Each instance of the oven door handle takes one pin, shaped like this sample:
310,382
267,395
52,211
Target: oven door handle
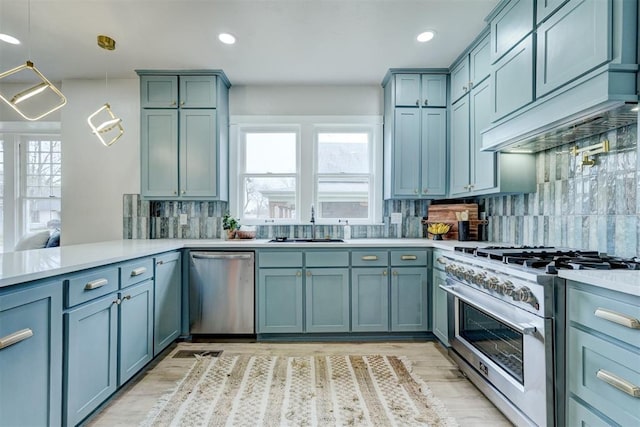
523,328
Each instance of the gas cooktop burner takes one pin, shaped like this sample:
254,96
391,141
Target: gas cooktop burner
551,259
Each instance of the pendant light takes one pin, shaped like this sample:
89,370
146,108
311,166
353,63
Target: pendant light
105,125
23,101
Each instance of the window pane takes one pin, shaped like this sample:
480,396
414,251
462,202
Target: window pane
343,197
43,168
266,198
270,153
42,214
343,152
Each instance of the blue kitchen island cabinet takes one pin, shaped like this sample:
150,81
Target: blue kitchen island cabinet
603,355
168,300
184,140
370,299
31,355
409,290
327,299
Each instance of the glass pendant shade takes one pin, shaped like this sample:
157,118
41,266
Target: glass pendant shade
30,104
105,125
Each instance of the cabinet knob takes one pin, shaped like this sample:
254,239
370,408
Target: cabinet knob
395,273
416,191
464,88
470,85
175,192
160,262
384,272
426,102
126,297
116,301
173,104
417,102
425,191
308,274
298,274
184,192
181,103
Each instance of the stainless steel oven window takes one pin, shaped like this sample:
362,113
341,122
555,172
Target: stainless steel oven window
496,340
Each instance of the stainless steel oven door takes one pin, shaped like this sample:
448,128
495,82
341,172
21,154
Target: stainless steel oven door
505,345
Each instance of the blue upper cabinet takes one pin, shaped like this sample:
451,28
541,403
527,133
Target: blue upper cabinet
420,90
460,79
159,92
512,80
479,62
471,69
544,8
415,135
184,141
511,24
572,42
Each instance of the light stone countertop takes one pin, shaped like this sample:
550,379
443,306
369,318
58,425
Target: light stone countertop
25,266
627,281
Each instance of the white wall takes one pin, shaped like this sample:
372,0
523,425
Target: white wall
304,100
95,177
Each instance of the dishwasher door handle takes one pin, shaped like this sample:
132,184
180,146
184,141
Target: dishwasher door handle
203,256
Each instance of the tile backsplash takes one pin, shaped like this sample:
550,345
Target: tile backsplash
593,207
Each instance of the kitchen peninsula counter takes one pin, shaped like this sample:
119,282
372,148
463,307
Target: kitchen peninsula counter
626,281
26,266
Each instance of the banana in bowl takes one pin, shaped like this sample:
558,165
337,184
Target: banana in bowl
438,229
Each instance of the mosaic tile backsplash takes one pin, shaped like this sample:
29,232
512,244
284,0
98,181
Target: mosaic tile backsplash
588,208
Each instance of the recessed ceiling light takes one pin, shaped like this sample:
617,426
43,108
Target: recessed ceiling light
426,36
226,38
9,39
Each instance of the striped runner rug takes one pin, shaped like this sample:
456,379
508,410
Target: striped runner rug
300,391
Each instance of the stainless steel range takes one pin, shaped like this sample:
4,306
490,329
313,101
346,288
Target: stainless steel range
507,321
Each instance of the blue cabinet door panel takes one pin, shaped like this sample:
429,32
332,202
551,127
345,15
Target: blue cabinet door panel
406,163
91,357
512,80
159,148
409,299
136,329
460,80
407,90
440,317
31,368
510,26
369,299
198,153
279,300
327,300
546,8
198,91
479,63
459,179
572,42
434,90
159,92
168,300
434,152
483,170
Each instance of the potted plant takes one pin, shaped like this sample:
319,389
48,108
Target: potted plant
230,225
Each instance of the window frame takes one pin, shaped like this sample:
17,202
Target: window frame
309,127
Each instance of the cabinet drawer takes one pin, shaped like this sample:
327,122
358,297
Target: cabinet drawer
369,258
578,415
399,258
90,284
598,369
327,259
135,272
601,313
280,259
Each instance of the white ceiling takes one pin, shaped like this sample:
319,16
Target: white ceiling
279,41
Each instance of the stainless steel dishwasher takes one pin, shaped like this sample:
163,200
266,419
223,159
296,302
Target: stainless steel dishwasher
221,293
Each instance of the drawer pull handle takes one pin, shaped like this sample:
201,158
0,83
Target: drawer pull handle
138,271
95,284
441,260
370,258
620,319
408,257
619,383
15,338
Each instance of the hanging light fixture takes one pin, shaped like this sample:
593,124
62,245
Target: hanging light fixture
44,85
105,125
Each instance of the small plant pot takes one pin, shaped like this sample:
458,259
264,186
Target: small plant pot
230,234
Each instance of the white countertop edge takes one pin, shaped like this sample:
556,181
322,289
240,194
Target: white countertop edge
26,266
626,281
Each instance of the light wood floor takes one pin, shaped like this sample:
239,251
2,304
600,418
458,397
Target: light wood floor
464,402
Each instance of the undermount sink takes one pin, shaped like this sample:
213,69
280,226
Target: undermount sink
295,240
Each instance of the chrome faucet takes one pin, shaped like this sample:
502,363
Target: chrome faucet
313,223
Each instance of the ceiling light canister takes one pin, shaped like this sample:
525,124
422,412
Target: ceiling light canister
226,38
106,42
426,36
9,39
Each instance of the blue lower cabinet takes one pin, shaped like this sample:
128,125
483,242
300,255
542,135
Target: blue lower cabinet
409,299
280,300
168,300
370,299
327,300
31,355
91,343
440,318
136,330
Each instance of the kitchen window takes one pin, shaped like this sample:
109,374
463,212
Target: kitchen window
30,184
286,164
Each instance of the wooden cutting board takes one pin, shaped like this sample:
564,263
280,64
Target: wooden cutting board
447,213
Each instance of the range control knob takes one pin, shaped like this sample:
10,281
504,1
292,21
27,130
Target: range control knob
525,295
492,283
506,288
479,278
468,274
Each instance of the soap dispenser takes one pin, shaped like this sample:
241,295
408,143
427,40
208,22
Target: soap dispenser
347,230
